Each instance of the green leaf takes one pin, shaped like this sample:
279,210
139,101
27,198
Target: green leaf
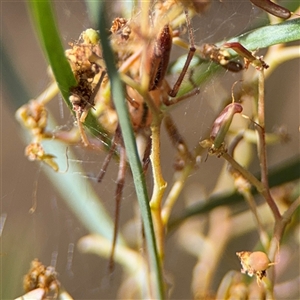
270,35
131,151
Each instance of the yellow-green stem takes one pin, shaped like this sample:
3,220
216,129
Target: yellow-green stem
174,193
49,93
158,189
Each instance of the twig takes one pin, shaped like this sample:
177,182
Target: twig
262,153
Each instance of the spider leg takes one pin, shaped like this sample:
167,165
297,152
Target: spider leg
191,53
118,196
83,135
177,139
147,152
97,88
90,104
194,92
107,159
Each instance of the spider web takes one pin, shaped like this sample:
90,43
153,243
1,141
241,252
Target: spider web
52,231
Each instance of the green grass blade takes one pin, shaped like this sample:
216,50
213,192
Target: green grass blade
131,151
45,25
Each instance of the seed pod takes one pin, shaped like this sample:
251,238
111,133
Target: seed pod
272,8
254,263
259,261
223,122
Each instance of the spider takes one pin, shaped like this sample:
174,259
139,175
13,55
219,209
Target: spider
126,35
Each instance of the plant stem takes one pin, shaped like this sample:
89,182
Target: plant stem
158,188
249,176
279,228
262,234
180,176
175,191
262,152
279,175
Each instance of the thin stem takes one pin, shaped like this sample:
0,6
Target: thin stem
251,202
255,182
249,176
175,191
245,190
158,189
262,152
279,228
280,175
181,176
286,218
118,198
261,99
145,94
278,54
49,93
83,135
